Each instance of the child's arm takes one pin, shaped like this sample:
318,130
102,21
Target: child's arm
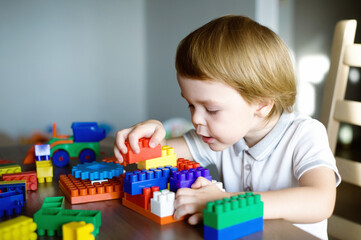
150,129
312,201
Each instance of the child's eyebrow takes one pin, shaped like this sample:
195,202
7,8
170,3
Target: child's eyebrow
210,102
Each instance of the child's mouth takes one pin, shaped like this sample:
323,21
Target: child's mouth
208,139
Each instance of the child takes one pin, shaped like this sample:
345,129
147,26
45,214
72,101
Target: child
238,79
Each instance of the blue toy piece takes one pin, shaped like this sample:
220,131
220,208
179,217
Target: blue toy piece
87,132
11,202
235,231
19,187
97,170
134,182
60,158
185,178
42,152
87,155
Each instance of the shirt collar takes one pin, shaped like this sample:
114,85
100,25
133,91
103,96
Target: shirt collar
265,147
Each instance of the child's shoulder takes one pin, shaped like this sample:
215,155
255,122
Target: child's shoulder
305,124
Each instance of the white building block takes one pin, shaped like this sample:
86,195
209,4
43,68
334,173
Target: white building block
219,185
162,203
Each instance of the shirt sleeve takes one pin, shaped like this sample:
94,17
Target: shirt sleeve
312,149
200,151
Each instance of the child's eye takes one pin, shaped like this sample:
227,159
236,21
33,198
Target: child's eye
212,111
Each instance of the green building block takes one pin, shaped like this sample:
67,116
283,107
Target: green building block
231,211
50,220
74,148
54,202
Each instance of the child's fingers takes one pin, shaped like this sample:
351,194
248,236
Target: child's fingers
117,154
195,219
158,136
200,182
120,138
184,196
185,209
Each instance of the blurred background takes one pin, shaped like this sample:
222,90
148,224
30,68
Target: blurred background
112,61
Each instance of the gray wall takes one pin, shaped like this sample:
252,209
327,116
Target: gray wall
87,60
65,61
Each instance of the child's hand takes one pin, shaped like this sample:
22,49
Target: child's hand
193,200
150,129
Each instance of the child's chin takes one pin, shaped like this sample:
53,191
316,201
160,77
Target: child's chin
217,147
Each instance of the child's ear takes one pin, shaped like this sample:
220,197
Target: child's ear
264,107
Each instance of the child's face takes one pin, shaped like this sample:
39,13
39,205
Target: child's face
219,113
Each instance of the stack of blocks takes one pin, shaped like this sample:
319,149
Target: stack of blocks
44,166
234,217
90,182
12,197
52,219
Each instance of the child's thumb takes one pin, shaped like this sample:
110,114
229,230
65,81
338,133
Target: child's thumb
200,182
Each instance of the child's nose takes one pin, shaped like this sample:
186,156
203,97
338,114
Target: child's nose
197,118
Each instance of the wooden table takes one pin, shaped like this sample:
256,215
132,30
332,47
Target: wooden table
119,222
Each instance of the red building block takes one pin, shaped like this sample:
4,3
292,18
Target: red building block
142,200
145,153
82,191
184,164
29,177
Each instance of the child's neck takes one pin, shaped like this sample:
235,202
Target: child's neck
262,128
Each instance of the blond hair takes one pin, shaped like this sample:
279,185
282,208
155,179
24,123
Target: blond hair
243,54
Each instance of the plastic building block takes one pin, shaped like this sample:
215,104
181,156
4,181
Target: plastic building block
42,152
53,202
21,227
143,200
168,158
231,211
11,202
134,182
44,171
30,156
162,203
98,181
145,153
18,186
184,164
185,178
50,220
78,231
234,232
30,177
9,168
97,170
149,214
219,185
87,132
82,191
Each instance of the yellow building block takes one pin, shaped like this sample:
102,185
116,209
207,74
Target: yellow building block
44,171
168,158
19,228
78,231
12,168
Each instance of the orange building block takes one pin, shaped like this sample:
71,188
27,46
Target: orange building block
145,153
29,177
142,200
184,164
149,214
82,191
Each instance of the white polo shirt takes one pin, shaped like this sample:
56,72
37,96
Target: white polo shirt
295,145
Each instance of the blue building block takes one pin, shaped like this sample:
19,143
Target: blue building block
18,186
134,182
97,170
42,152
11,202
87,132
185,178
235,231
